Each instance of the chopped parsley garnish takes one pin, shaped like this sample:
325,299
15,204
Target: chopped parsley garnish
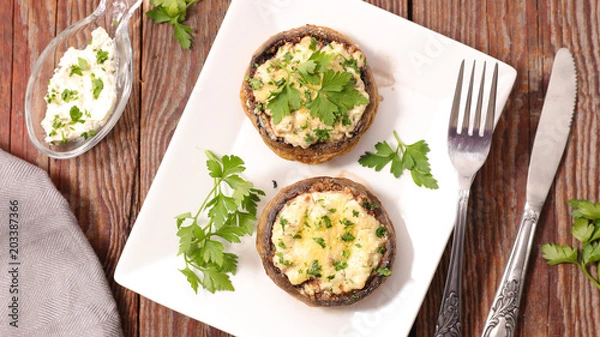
88,134
347,237
81,66
283,261
355,213
385,272
283,222
368,205
281,244
340,265
51,96
57,122
68,95
322,134
75,69
255,84
97,86
327,221
315,269
76,115
101,56
380,232
320,241
346,222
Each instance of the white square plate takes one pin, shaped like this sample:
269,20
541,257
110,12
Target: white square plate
415,70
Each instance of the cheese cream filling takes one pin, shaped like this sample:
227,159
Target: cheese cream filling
299,128
330,237
82,91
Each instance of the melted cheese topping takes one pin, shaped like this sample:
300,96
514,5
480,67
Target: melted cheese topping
330,237
298,128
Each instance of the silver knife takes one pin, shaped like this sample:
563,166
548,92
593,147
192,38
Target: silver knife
548,147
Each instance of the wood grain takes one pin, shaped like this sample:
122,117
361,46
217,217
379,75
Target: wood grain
107,186
527,41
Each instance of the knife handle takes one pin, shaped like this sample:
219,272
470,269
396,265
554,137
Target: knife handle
502,319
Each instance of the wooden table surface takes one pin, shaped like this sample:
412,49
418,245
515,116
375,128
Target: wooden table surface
107,185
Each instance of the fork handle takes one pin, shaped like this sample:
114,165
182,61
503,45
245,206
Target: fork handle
448,321
502,319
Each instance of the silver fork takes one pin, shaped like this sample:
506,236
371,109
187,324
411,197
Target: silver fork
468,151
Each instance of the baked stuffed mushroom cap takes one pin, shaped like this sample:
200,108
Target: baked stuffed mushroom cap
310,94
326,241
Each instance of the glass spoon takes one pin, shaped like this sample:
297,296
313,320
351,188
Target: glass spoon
113,16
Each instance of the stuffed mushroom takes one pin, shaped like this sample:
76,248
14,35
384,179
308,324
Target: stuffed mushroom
326,241
310,94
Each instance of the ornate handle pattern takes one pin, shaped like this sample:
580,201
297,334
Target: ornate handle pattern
448,322
502,320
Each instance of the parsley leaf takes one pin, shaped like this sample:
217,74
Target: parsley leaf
76,114
231,206
97,86
586,229
174,13
411,157
69,95
315,269
284,102
101,56
320,241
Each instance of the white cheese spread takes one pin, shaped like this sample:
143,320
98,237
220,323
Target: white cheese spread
82,91
300,127
329,237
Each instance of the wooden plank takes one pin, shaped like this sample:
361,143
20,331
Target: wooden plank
33,28
104,203
6,49
574,25
525,34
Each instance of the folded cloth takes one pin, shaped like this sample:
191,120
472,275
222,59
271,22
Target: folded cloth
51,281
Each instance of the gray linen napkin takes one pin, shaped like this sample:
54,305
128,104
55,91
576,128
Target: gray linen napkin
51,282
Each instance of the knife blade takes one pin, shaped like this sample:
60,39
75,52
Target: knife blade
548,147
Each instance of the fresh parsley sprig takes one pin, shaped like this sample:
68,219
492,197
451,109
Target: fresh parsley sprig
411,157
230,216
328,94
586,229
173,12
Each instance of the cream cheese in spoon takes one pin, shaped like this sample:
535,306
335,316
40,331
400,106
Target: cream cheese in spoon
82,91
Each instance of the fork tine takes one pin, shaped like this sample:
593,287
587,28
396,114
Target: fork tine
477,123
467,116
491,110
457,92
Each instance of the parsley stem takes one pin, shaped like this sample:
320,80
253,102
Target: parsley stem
213,191
189,262
292,74
587,274
401,146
